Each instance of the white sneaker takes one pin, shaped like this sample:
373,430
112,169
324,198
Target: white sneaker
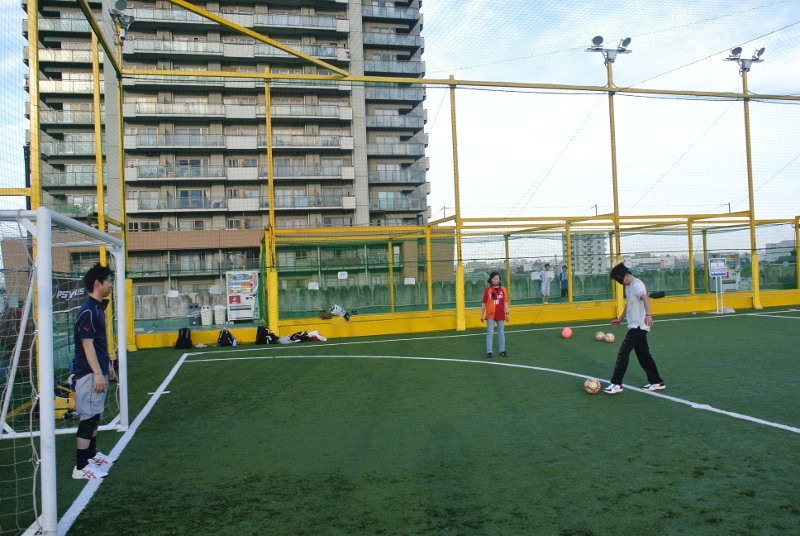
90,472
654,386
612,389
100,459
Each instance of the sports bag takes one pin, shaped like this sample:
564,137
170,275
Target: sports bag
184,339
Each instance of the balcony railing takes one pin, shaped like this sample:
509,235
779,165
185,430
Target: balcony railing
175,172
295,21
390,13
69,178
307,201
176,140
59,25
395,67
395,121
68,117
63,148
410,176
396,149
201,109
304,111
398,204
201,48
398,40
173,203
395,94
301,140
308,172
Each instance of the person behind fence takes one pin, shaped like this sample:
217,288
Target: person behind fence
564,280
640,320
546,277
494,309
93,370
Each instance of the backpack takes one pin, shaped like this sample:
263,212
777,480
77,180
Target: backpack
265,336
184,339
225,338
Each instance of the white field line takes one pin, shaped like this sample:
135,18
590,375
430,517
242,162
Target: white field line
66,522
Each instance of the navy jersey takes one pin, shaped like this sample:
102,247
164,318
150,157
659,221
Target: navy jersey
91,324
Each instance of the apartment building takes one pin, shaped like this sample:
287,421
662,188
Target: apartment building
195,148
589,253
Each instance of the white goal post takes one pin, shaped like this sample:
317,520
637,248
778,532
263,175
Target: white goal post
41,233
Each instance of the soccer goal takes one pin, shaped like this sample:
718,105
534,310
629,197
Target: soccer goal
44,257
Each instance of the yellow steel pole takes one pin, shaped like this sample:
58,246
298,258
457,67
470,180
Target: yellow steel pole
705,260
690,232
751,198
33,89
461,320
613,133
569,262
272,267
797,250
429,267
508,263
391,277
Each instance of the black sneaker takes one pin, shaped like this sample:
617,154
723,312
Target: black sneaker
503,354
489,355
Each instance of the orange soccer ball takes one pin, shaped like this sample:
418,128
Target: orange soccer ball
592,386
610,337
600,336
566,333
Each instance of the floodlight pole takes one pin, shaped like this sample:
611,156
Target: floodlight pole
744,67
609,55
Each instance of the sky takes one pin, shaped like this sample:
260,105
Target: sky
548,154
528,154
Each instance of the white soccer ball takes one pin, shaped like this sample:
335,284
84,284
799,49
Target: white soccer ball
592,386
610,337
599,335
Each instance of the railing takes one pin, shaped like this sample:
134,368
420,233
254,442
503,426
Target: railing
59,25
295,21
179,172
54,148
180,140
397,149
181,108
301,140
410,176
173,203
320,51
402,204
69,178
307,201
395,67
395,121
175,47
64,117
391,93
390,12
302,171
304,111
400,40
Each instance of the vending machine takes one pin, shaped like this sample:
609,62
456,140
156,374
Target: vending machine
242,289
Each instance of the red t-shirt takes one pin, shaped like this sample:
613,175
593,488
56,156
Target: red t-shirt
495,300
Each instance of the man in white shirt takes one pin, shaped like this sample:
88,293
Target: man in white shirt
640,320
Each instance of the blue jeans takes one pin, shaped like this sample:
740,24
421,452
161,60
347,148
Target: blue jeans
501,334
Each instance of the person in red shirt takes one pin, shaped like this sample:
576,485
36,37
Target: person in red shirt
494,310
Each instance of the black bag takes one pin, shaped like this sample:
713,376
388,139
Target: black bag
265,336
225,338
184,339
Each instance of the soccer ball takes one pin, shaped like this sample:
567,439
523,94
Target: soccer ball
566,333
592,386
610,337
599,335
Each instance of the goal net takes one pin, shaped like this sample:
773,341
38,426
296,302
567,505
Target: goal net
43,257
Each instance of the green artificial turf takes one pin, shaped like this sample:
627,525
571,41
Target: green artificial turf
344,437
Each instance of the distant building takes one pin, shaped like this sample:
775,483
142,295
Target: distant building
588,253
778,250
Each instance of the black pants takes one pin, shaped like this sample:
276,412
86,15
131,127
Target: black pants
563,293
635,340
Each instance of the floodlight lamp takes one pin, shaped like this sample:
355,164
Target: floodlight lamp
623,44
120,5
757,54
597,41
735,52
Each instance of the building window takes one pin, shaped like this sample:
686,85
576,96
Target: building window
144,226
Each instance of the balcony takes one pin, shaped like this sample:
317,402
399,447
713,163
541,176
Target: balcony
395,121
68,179
68,148
310,172
169,82
395,94
65,117
311,202
145,16
395,13
395,67
176,141
74,210
399,204
409,41
187,109
325,52
59,25
300,22
405,176
300,141
343,113
57,55
197,49
80,87
178,173
396,149
211,204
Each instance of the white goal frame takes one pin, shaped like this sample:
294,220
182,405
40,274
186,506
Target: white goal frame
40,224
